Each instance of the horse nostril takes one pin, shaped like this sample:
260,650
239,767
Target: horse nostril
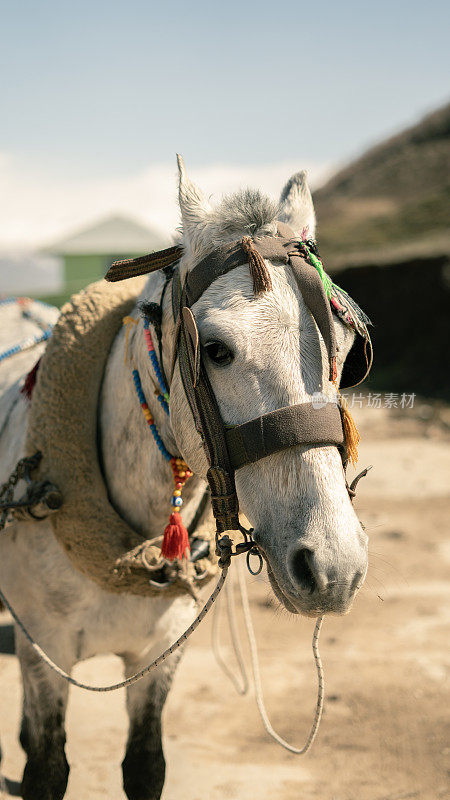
301,569
356,582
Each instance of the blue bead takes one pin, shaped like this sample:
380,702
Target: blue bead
177,501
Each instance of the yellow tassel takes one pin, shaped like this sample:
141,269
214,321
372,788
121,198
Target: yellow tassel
128,322
351,433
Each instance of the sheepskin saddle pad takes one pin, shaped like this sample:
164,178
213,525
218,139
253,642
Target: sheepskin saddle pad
62,424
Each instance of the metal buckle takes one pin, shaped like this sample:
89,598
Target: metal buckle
249,546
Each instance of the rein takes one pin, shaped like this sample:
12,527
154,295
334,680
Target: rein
224,563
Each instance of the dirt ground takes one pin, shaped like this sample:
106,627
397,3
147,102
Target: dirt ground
383,735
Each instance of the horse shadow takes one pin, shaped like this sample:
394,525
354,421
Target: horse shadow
12,788
7,646
8,788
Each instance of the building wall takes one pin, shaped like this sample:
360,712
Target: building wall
81,270
408,304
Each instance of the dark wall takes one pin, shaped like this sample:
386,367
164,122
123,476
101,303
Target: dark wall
409,305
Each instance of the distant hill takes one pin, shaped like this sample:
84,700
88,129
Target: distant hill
394,199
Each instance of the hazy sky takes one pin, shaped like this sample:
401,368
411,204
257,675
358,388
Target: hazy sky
96,97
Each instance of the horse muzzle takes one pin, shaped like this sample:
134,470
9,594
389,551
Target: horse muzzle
319,580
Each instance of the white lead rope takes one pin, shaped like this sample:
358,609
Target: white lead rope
257,677
255,663
240,682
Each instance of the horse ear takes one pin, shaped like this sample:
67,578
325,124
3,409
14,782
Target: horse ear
194,208
297,208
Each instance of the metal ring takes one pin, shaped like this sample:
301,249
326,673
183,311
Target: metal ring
200,575
159,585
254,552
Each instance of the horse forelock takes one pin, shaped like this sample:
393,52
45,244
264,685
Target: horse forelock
247,212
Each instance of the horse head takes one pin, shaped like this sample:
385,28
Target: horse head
263,352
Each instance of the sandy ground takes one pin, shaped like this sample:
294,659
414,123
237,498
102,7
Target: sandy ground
383,734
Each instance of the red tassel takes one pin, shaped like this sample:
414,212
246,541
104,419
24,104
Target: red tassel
30,381
176,539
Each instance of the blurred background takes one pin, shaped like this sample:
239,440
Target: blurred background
96,99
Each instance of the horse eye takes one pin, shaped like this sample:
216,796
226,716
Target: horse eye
219,353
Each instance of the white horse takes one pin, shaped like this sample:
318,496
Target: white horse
262,353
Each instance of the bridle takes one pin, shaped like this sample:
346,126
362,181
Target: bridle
227,447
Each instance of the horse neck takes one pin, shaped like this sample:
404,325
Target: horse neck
138,478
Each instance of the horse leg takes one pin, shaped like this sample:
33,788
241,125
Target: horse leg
144,766
42,734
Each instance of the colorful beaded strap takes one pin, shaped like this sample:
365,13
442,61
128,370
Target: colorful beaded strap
31,341
176,538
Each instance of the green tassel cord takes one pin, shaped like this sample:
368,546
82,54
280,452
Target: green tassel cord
317,264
